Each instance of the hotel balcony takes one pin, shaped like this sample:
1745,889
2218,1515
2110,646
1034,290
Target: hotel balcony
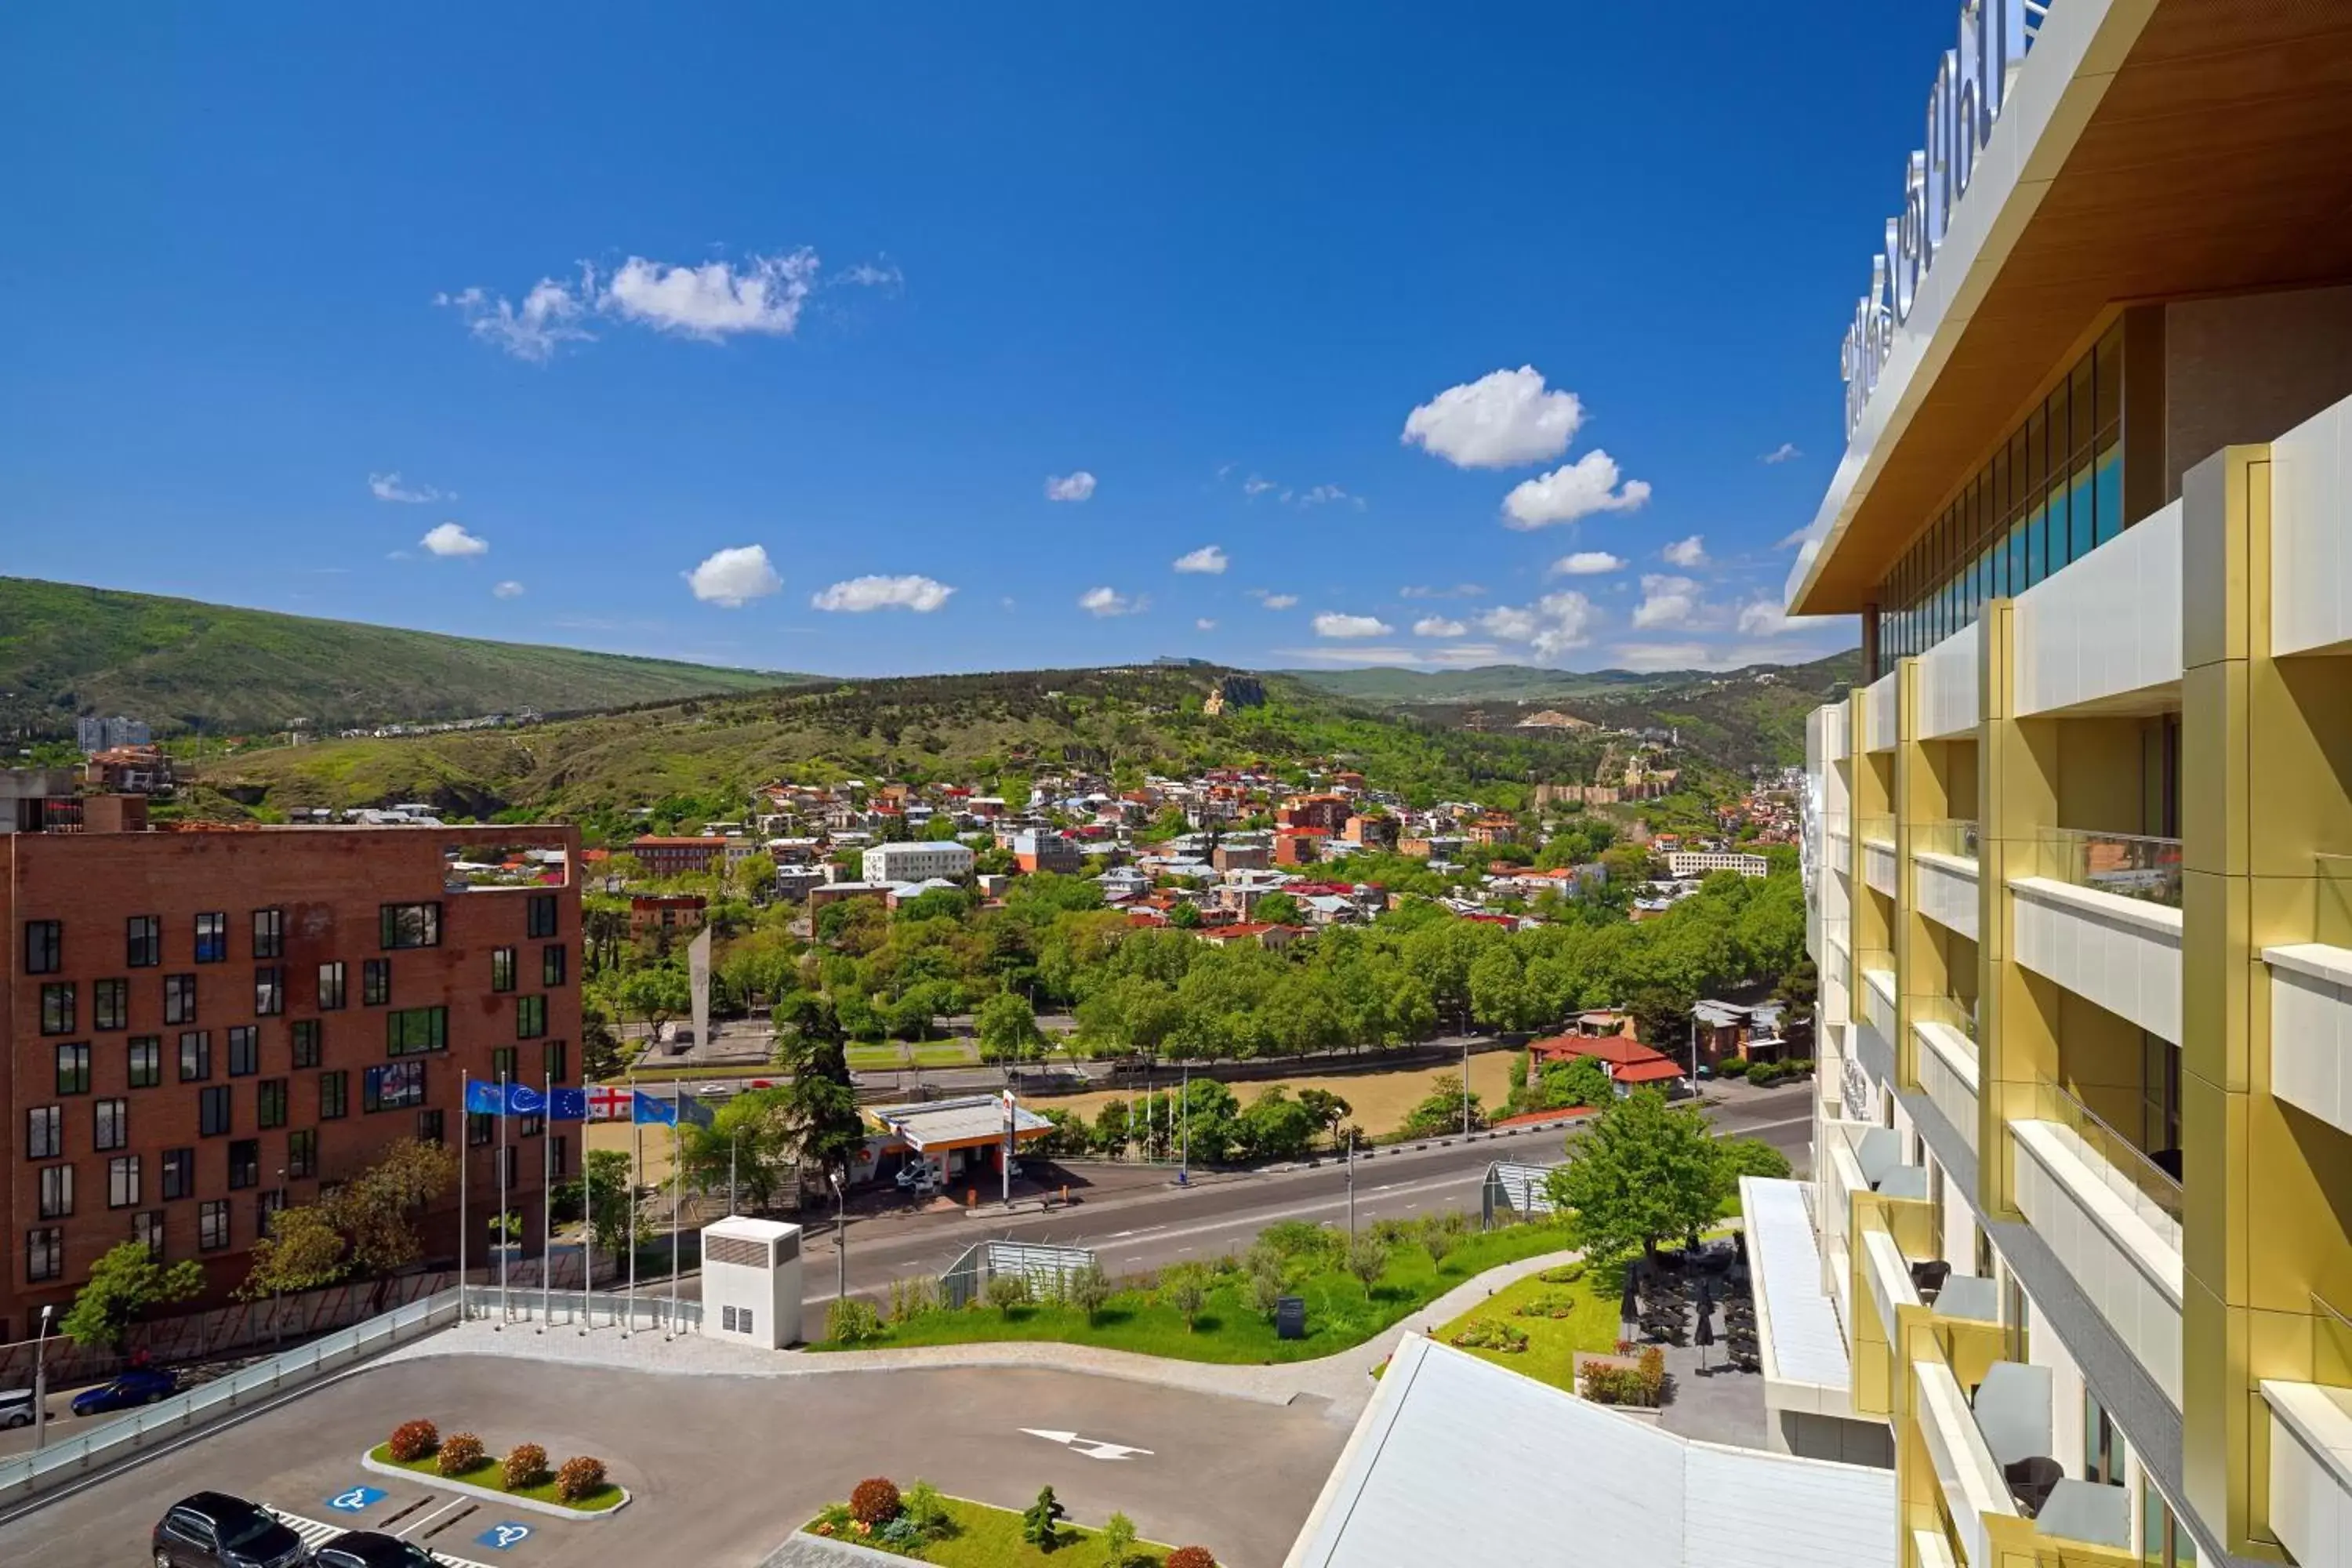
1878,866
1987,1428
1874,1036
2310,549
2111,1215
2103,635
1947,687
1879,732
2311,1451
1947,1060
2102,918
2310,1004
1944,874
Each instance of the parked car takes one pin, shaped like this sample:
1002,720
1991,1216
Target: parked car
16,1407
140,1386
213,1529
371,1549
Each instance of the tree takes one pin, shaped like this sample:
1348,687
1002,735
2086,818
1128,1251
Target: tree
656,994
1367,1259
820,1105
1747,1157
599,1050
1041,1523
1008,1031
1581,1080
1661,1017
1277,909
1185,1291
1643,1170
124,1282
1089,1289
1276,1127
1117,1541
375,1210
1329,1112
1006,1291
602,1195
1442,1113
751,1139
1185,916
302,1251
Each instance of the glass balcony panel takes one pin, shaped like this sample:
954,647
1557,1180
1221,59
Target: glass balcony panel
2129,865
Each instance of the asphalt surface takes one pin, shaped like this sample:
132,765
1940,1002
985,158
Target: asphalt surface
723,1469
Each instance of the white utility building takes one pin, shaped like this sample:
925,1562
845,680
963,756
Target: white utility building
751,1280
917,861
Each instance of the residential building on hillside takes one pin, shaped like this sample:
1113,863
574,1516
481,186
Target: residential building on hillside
207,1025
1041,850
1329,813
678,856
95,734
681,912
1699,862
2077,1253
915,862
129,770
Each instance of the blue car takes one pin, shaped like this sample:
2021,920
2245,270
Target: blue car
140,1386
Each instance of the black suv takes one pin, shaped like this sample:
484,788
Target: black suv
212,1530
371,1549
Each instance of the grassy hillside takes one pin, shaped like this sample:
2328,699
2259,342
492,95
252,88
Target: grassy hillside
1488,683
176,663
953,727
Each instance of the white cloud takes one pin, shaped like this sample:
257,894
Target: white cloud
1586,564
733,577
1324,495
509,589
1106,602
1275,601
716,300
1765,619
1781,453
387,486
1209,558
1656,655
1204,625
1498,421
1254,486
1551,626
1587,485
1069,486
1794,537
872,274
548,315
449,538
1666,602
1455,655
1459,591
1437,626
1330,624
859,595
1686,552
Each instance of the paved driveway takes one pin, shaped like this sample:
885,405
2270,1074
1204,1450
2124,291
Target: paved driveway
723,1468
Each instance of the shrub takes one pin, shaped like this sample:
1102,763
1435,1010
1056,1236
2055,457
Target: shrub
1566,1274
1764,1075
526,1466
850,1321
1491,1334
833,1520
921,1506
912,1297
875,1501
1394,1232
1732,1067
412,1440
1006,1291
1548,1304
461,1452
1438,1238
1190,1557
1186,1288
1300,1238
1089,1289
580,1478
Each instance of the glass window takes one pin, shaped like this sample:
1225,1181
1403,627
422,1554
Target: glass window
539,917
2107,489
270,1100
552,965
44,1132
110,1125
73,1068
179,1173
397,1085
331,985
244,1051
45,947
502,1065
478,1131
57,1007
269,991
56,1191
302,1153
143,942
306,1038
502,969
196,1056
147,1230
244,1163
45,1252
409,925
553,1060
375,982
212,937
145,1055
179,998
122,1183
428,1126
530,1017
211,1224
212,1112
335,1095
268,933
110,1005
413,1031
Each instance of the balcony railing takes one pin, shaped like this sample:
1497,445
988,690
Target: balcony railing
2131,1174
2129,865
1875,829
1954,838
1947,1010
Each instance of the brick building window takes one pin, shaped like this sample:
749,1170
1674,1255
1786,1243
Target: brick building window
179,998
211,1224
270,1096
478,1131
302,1153
179,1173
269,991
212,937
530,1017
502,1064
413,1031
147,1230
143,942
552,965
73,1068
306,1037
540,916
44,946
146,1058
110,1005
212,1112
243,1164
57,1007
335,1095
553,1059
196,1056
429,1127
110,1125
559,1157
123,1181
244,1051
502,969
409,925
331,985
44,1132
375,982
56,1191
45,1252
398,1086
531,1126
268,933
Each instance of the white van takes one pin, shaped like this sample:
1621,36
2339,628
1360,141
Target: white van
16,1407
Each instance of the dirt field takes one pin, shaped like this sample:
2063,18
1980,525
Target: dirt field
1379,1100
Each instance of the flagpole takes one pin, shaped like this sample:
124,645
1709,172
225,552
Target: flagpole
588,1216
465,1093
636,1152
506,1244
547,1203
677,1106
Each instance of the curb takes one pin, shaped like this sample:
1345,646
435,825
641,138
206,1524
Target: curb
556,1509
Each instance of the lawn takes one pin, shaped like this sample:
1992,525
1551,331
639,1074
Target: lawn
1553,1343
985,1537
488,1474
1340,1313
888,1058
1379,1102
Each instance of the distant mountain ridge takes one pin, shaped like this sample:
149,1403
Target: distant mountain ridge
179,663
1532,683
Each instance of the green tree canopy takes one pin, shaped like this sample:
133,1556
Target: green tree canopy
1641,1172
124,1282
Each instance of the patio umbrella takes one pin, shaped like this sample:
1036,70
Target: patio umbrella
1704,1336
1627,1309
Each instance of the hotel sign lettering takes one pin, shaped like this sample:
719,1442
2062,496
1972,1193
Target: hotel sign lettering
1972,86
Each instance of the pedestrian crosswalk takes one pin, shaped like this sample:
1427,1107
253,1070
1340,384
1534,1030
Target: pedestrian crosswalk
316,1534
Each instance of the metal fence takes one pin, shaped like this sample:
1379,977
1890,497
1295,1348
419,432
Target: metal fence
652,1311
1514,1193
1048,1269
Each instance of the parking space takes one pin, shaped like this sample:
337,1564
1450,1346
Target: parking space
720,1468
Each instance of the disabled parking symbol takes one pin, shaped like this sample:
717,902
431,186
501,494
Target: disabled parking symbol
500,1537
359,1500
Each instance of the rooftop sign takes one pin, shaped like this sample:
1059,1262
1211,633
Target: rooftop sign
1972,86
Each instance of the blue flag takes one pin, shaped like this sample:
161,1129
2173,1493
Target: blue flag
483,1099
524,1100
648,1108
693,1109
567,1105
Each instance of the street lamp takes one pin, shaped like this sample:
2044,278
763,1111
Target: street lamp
1465,1085
41,1382
1185,1151
276,1285
840,1234
1350,1158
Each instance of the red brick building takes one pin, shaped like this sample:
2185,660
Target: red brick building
202,1025
683,912
1298,845
675,856
1328,812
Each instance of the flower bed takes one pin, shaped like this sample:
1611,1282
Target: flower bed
926,1526
579,1485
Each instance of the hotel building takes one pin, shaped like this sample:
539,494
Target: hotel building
2076,1256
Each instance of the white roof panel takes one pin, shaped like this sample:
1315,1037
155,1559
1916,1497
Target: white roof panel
1806,1343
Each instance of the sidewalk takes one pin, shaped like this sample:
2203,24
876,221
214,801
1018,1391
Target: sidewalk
1343,1380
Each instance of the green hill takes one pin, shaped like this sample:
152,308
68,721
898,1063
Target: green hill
177,663
1521,683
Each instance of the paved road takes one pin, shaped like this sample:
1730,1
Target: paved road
721,1469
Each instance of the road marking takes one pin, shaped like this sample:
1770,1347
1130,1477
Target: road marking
503,1537
358,1499
1092,1447
316,1534
416,1524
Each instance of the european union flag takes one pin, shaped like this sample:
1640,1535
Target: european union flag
567,1105
648,1108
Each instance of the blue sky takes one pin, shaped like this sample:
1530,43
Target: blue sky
763,335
